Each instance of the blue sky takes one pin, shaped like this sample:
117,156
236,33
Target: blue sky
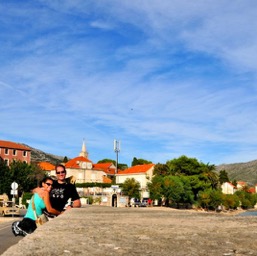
166,78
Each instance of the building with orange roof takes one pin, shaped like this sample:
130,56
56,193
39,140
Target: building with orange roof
241,184
228,188
12,151
108,168
107,180
46,166
141,173
82,169
251,190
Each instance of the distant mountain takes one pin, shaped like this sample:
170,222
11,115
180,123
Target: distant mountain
40,156
241,171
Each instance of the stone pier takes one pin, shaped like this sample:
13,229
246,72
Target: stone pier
101,230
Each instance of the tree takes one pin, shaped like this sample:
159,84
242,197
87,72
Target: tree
247,199
234,182
197,185
223,177
65,159
37,174
204,199
131,188
139,161
5,181
184,166
210,199
106,160
155,187
161,169
188,196
230,201
120,165
172,189
209,175
26,175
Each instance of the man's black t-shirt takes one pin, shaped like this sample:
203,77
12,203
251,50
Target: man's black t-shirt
61,193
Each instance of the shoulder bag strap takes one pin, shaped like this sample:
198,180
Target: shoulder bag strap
33,207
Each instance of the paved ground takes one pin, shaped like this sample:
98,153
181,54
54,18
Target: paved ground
98,230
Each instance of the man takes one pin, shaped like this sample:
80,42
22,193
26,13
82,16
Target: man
62,191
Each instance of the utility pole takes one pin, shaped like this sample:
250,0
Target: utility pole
116,146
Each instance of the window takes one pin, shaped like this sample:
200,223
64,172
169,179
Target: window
14,152
24,153
6,151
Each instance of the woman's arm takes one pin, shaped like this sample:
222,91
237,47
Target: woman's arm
49,207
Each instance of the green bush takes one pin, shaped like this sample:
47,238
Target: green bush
210,199
247,199
97,200
231,201
26,196
90,200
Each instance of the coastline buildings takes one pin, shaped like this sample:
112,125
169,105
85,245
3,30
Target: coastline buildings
141,173
12,151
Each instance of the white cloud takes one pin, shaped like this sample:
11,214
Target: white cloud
165,79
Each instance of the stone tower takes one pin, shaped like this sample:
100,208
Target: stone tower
84,150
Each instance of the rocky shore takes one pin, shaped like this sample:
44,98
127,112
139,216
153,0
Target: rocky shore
98,230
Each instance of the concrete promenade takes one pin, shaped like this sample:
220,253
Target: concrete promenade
101,230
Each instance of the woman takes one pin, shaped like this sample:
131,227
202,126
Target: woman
41,201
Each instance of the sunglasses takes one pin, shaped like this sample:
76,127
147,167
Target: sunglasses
49,184
62,172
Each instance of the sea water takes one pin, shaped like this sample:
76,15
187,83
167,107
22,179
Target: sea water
248,213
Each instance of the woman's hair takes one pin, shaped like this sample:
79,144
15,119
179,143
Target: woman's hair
45,180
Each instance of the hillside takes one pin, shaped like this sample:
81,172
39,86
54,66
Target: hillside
40,156
241,171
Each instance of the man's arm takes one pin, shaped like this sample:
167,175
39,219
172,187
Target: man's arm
75,198
76,203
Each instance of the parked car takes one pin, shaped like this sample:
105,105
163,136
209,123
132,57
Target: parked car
135,202
144,202
8,208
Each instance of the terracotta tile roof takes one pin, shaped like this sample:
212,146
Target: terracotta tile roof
106,167
137,169
46,166
106,180
242,183
102,165
73,163
110,171
13,145
229,183
252,190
